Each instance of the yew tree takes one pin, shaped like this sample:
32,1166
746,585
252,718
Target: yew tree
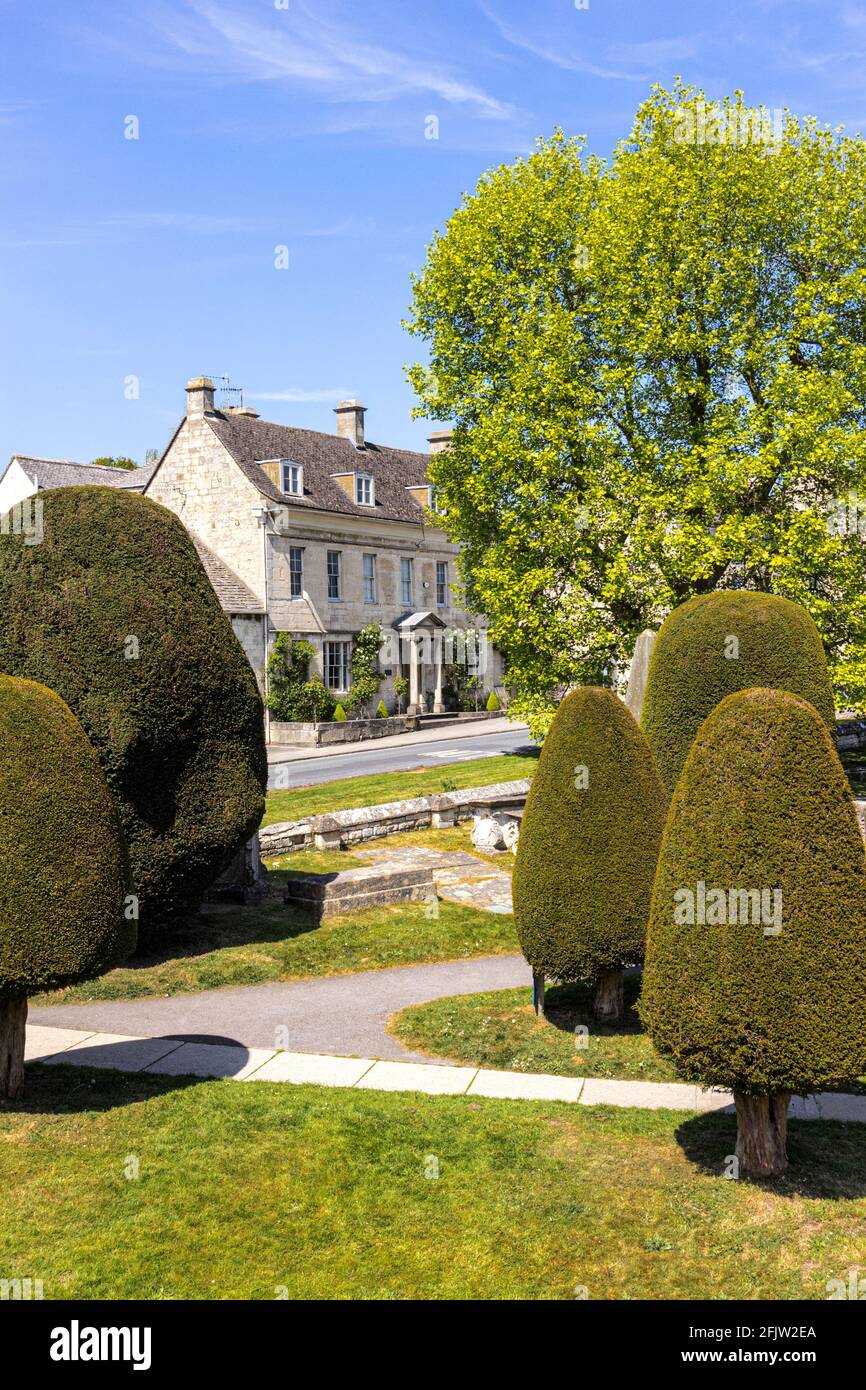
655,368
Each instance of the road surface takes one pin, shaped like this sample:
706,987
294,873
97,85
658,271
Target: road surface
370,760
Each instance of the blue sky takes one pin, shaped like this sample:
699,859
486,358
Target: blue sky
303,123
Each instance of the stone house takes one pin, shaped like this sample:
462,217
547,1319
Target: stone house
25,477
319,535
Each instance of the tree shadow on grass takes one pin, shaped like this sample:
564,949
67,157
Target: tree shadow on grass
826,1159
567,1007
219,925
109,1074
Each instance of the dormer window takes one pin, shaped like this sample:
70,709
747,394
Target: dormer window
364,489
292,479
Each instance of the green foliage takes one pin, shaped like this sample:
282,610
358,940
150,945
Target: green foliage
366,675
762,803
114,611
63,864
460,688
120,462
493,701
655,368
381,711
291,695
339,714
717,644
588,841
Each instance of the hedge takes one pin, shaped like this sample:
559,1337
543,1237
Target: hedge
588,841
762,804
717,644
115,612
64,872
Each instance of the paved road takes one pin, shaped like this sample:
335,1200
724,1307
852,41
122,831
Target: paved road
301,771
342,1015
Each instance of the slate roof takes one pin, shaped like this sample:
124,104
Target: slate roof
47,473
232,592
250,441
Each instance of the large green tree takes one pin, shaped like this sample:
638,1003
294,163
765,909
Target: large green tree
656,368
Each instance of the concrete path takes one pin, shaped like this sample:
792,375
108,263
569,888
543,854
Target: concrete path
428,748
342,1014
172,1057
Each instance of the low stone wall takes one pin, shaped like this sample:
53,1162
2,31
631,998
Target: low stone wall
337,829
373,885
340,731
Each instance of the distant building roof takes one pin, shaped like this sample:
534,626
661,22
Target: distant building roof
234,596
250,441
49,473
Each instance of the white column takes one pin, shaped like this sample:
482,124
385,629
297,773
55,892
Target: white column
414,693
438,706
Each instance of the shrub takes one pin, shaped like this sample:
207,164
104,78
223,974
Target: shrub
114,611
717,644
762,804
339,714
493,702
381,712
401,689
63,864
291,695
587,848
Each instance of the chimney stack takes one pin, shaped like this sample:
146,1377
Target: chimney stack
350,422
439,441
199,396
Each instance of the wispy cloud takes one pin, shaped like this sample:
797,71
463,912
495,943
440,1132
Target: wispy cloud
301,395
571,50
325,54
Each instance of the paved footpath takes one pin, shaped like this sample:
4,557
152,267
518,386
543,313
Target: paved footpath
341,1014
173,1057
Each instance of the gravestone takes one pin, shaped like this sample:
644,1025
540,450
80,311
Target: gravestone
639,671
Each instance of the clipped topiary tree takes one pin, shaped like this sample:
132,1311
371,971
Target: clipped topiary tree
63,863
717,644
381,711
587,849
115,612
339,713
754,974
493,701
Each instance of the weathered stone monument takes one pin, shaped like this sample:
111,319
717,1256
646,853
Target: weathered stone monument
639,671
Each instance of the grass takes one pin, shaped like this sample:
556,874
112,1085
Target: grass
296,803
500,1030
256,1190
227,944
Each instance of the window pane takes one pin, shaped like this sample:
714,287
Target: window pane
296,571
337,665
369,579
406,581
333,574
441,583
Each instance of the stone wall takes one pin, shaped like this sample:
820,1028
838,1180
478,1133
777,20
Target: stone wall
340,731
338,829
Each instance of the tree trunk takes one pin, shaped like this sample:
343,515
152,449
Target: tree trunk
538,991
13,1017
762,1128
607,1006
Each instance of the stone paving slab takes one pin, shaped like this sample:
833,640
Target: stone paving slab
645,1095
415,1076
460,877
175,1057
44,1042
306,1068
513,1085
115,1051
210,1059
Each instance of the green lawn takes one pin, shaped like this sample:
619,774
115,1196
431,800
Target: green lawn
246,1190
298,802
500,1030
227,944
